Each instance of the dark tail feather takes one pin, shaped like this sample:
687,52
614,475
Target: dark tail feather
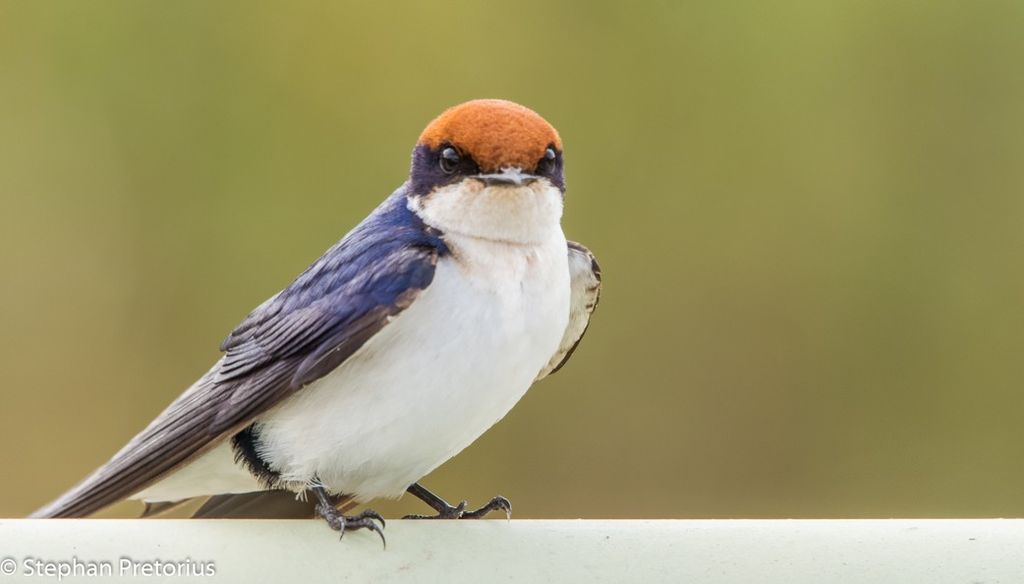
275,504
161,507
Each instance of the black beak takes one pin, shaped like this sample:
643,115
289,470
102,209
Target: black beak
494,180
508,177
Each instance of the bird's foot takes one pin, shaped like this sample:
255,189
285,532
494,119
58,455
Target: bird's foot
495,504
446,511
343,523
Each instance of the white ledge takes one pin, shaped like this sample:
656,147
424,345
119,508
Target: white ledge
715,551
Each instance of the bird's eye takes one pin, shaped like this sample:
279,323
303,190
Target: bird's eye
547,163
450,160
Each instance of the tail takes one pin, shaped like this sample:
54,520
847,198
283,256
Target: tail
65,505
273,504
81,500
180,431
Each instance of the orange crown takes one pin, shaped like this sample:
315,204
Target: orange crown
495,132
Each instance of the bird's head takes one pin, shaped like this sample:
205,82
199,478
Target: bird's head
489,168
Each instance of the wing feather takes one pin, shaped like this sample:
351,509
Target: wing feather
585,291
297,336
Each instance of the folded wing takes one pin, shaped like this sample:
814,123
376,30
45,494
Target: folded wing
299,335
585,291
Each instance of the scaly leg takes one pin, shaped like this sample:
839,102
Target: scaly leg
446,511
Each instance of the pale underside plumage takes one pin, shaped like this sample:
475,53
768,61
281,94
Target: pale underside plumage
435,341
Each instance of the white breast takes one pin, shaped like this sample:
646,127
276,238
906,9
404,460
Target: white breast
436,377
433,380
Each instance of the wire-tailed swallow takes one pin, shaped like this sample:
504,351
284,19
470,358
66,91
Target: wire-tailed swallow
395,350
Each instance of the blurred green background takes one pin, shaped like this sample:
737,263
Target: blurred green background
809,216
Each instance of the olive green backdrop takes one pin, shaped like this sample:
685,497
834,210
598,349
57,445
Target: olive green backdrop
809,214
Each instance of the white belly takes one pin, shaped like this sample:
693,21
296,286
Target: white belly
425,387
436,377
432,381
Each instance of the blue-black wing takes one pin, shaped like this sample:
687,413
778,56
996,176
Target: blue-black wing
296,337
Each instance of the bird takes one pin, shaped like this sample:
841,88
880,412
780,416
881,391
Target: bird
391,353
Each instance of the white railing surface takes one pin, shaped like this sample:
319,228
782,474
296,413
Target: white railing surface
928,551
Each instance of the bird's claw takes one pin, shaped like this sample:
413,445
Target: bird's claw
341,523
494,504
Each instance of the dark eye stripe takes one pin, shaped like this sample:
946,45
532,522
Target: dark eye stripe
436,168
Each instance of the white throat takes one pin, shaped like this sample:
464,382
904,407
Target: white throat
526,215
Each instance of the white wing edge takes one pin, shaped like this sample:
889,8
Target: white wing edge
585,290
